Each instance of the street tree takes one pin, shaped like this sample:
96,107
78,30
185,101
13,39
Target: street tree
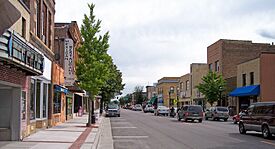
113,86
138,94
92,67
212,87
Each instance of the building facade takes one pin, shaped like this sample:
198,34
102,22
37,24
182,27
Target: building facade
67,40
151,91
184,89
166,90
197,72
22,62
223,57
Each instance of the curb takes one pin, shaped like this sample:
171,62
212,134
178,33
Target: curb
98,135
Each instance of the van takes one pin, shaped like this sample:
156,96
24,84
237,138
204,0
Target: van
259,117
190,112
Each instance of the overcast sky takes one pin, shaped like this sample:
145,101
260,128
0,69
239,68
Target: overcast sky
151,39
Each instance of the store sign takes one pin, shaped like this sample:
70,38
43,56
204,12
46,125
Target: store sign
69,62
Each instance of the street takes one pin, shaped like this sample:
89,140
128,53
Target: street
138,130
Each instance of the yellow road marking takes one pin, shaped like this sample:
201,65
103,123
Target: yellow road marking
267,142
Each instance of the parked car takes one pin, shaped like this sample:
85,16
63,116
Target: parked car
172,112
217,113
149,108
162,110
113,110
137,107
236,118
259,117
190,112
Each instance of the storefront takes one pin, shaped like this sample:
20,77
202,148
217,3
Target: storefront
59,108
245,96
69,106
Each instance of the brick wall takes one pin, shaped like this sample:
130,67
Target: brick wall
12,75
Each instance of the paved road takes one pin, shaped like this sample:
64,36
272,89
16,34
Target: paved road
138,130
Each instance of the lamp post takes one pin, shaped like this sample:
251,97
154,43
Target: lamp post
171,91
178,91
220,94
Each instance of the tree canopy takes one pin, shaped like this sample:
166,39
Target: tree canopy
212,87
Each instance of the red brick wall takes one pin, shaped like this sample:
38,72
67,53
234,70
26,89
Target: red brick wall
12,75
267,79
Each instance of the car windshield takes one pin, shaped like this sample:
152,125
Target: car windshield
222,109
112,106
195,108
138,106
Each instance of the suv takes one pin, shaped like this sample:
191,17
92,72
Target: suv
259,117
190,112
113,110
217,113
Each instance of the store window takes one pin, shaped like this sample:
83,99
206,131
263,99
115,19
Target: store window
57,102
32,101
45,95
38,90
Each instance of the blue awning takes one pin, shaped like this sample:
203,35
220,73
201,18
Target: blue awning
59,88
246,91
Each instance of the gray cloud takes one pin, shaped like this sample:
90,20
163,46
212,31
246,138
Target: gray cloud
267,34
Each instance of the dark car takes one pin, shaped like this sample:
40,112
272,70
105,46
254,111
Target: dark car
190,112
259,117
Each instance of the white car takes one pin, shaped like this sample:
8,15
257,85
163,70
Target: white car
138,107
162,110
148,108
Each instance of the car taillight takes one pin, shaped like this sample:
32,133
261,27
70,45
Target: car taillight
186,114
201,114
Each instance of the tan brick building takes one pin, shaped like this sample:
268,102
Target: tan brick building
197,71
184,90
166,90
224,55
254,81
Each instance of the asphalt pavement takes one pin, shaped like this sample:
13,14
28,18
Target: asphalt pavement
138,130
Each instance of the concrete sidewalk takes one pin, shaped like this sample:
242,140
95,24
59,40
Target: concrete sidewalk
71,134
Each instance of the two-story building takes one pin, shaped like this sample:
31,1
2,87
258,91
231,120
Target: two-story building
167,91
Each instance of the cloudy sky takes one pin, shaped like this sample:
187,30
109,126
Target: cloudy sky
151,39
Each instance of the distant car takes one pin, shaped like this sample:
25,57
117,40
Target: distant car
259,117
162,110
236,118
190,112
137,107
113,110
217,113
149,108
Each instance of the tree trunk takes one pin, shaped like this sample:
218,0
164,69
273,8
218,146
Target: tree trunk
101,105
93,112
89,110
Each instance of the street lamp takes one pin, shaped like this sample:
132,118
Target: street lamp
220,94
171,91
178,91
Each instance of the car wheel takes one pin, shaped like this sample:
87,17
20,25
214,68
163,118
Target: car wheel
206,118
179,119
200,120
241,128
265,131
234,121
225,119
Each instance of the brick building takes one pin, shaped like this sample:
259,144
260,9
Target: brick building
166,90
67,40
151,91
255,81
184,89
197,72
224,55
23,63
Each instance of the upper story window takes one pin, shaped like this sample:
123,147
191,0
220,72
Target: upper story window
210,67
251,78
24,27
37,17
244,79
187,85
217,66
44,23
49,30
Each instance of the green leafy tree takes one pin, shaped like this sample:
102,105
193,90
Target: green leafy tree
138,94
112,87
93,64
212,87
